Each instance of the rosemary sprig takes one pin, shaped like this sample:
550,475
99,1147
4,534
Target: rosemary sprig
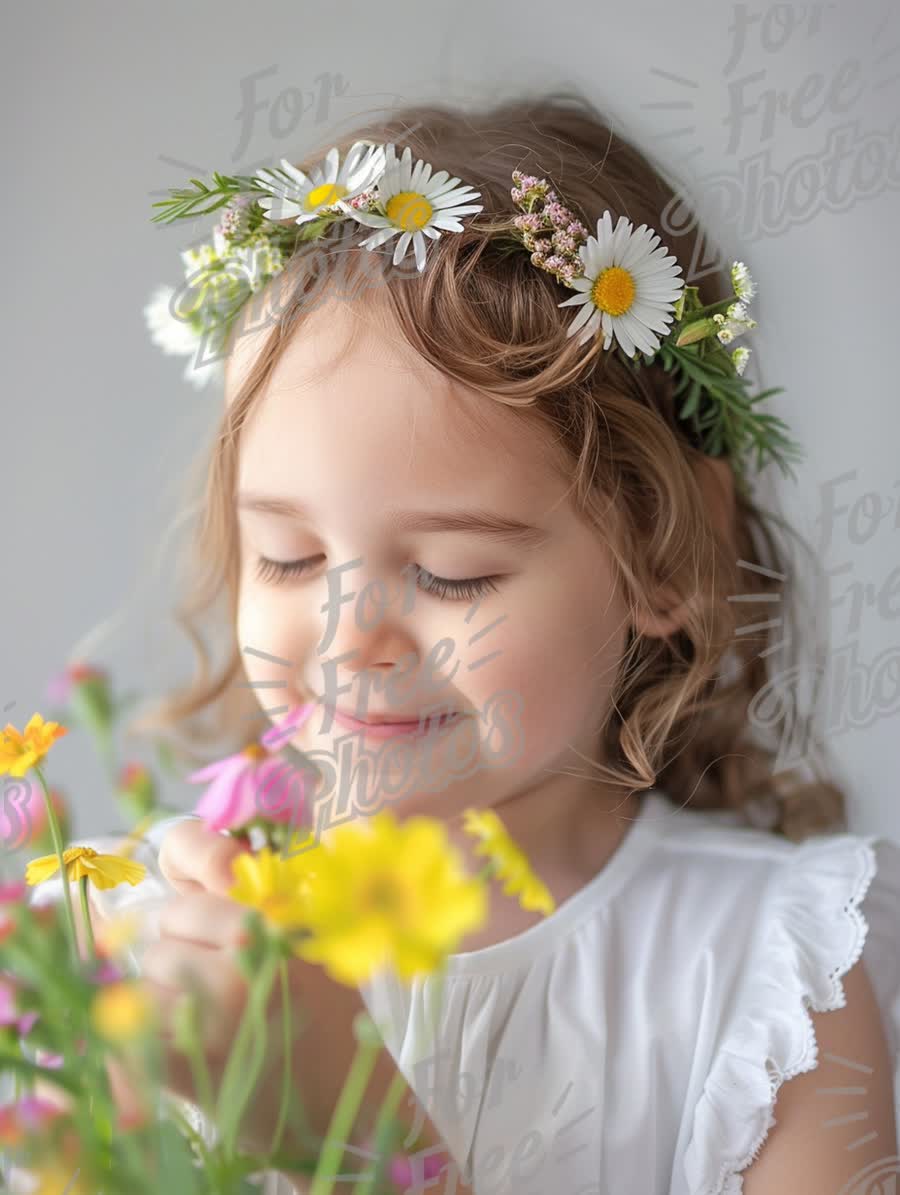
184,202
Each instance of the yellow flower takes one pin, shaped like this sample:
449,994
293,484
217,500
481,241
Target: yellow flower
510,864
274,886
121,1011
388,894
103,871
56,1179
114,936
21,751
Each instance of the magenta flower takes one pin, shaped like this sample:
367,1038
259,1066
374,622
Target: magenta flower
401,1173
10,1016
24,1117
59,687
10,894
255,783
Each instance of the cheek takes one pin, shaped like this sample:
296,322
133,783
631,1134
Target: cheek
265,624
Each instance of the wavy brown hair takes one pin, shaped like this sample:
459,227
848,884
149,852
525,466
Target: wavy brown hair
701,712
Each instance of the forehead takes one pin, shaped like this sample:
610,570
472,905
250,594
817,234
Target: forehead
350,403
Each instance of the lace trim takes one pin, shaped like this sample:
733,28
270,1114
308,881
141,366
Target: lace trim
816,949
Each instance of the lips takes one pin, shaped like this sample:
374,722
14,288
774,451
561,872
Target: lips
373,719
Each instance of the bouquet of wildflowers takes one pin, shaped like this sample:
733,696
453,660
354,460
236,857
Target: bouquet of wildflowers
75,1019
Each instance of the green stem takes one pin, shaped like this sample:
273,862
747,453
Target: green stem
197,1060
286,1046
57,843
85,908
381,1132
229,1110
343,1118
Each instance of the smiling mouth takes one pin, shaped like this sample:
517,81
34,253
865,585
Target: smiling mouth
383,726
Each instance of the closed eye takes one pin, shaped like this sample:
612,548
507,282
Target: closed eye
277,571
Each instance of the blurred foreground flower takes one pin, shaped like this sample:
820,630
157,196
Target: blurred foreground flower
275,887
136,789
122,1011
83,862
382,894
509,862
23,1117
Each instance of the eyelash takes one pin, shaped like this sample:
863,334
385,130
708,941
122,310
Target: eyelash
277,571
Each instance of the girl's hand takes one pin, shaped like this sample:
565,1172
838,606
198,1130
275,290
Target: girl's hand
200,933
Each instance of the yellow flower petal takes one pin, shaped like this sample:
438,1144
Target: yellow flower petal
21,751
103,871
121,1011
511,865
273,886
388,894
41,869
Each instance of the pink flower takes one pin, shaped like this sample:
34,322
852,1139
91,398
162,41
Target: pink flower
27,1115
255,783
10,894
49,1060
59,687
403,1176
108,972
10,1016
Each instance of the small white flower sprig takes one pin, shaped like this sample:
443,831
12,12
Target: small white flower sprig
268,215
629,291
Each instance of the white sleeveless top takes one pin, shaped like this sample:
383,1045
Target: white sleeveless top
627,1038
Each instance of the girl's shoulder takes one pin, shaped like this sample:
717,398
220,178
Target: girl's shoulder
781,924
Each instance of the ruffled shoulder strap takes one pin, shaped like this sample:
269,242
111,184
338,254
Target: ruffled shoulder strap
829,902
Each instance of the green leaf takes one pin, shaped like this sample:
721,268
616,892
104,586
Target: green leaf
177,1169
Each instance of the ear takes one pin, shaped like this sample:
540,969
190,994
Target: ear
715,477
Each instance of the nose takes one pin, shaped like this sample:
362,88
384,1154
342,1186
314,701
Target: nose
369,628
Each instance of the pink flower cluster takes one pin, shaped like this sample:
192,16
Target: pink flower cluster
549,229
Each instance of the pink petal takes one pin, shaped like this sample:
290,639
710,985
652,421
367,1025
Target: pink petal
276,736
280,791
12,893
217,804
214,770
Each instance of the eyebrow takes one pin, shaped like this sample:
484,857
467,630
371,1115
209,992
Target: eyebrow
476,522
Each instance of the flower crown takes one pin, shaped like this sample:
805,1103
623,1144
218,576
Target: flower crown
626,283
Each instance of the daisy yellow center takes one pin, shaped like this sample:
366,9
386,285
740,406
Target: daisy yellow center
254,751
324,195
381,895
613,291
79,852
410,210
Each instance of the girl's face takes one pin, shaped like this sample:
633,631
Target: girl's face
392,509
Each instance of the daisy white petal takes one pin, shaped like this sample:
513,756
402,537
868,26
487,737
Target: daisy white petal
629,282
415,204
330,185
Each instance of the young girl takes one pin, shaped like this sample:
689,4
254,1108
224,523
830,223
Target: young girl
466,447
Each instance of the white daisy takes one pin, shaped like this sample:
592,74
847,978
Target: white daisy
301,198
176,337
416,205
628,289
743,285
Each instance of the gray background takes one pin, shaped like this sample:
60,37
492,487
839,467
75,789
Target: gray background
107,105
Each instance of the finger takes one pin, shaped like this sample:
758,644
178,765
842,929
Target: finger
205,919
171,968
192,857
